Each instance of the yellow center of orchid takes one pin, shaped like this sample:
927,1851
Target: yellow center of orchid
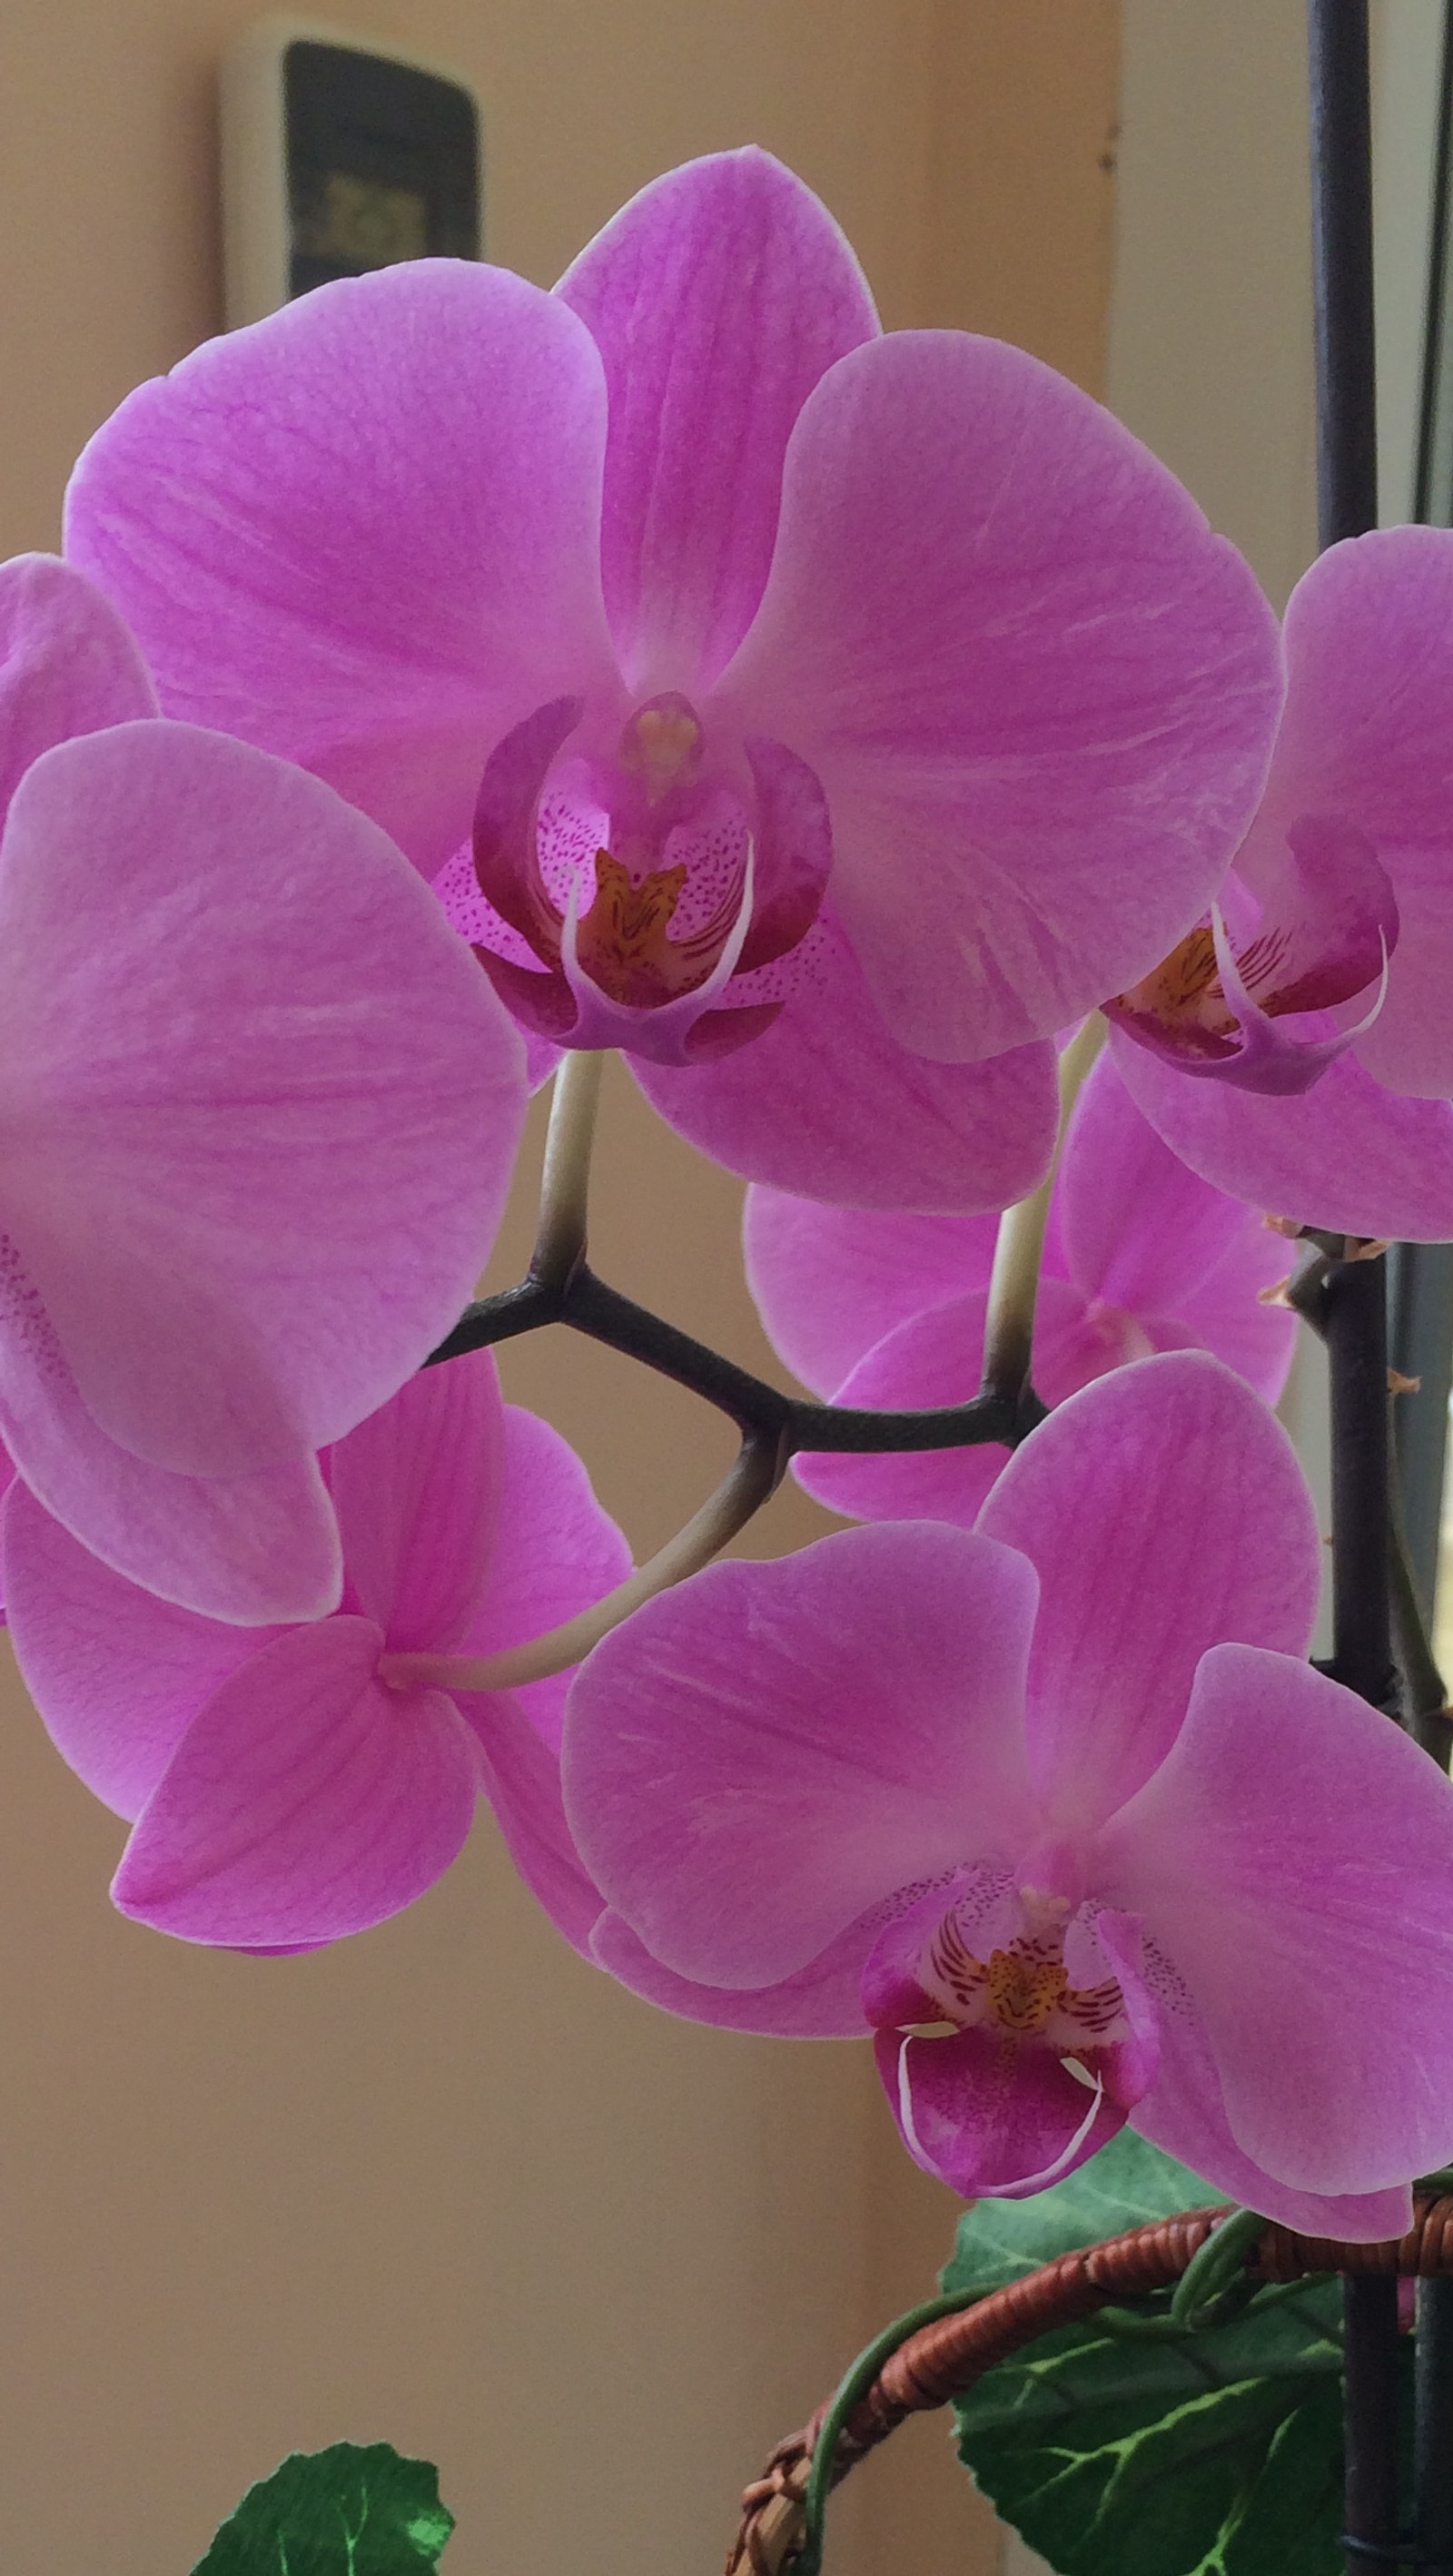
622,942
1023,1990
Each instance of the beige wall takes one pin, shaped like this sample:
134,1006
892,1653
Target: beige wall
444,2185
1211,329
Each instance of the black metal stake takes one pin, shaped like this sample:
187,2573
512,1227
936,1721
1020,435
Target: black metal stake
1355,1307
1370,2421
1433,2428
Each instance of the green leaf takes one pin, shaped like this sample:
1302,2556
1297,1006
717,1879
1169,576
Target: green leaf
347,2511
1214,2452
1126,2184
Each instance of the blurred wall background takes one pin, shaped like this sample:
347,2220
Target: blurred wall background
444,2185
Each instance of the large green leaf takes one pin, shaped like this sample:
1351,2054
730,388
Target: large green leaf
346,2511
1209,2453
1127,2183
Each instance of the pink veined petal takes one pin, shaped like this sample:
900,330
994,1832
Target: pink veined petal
67,664
1407,1047
1165,1511
520,1775
758,1757
717,298
1184,2113
828,1104
830,1282
989,2117
365,532
1347,1156
554,1552
1369,642
1141,1230
117,1675
1293,1858
305,1802
1040,695
1226,1315
418,1492
245,1549
821,2001
259,1108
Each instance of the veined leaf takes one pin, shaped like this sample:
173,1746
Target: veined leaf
346,2511
1209,2453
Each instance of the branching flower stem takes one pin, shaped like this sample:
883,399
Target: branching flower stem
562,1289
1019,1247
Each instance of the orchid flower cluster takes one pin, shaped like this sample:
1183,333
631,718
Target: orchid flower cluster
448,680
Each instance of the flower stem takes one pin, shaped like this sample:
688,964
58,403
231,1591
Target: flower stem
1019,1248
752,1479
565,1186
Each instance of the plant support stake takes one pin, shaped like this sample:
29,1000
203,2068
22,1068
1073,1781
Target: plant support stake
1355,1298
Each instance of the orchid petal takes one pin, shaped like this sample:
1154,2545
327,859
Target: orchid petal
1141,1230
819,2001
1183,2112
758,1757
1232,1313
1406,1048
1165,1511
828,1104
305,1802
1369,642
246,1549
386,497
1347,1156
67,664
717,298
1293,1857
117,1674
418,1493
1020,664
259,1106
830,1282
520,1776
554,1553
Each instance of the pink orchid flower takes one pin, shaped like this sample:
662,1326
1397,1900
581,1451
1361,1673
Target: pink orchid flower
1140,1256
832,712
1298,1049
1054,1808
286,1788
258,1125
